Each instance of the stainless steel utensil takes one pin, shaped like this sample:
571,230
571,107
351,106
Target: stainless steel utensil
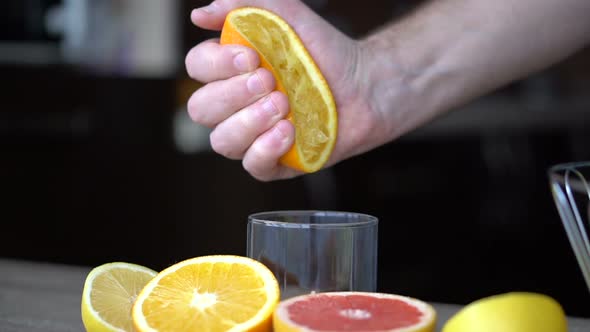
571,193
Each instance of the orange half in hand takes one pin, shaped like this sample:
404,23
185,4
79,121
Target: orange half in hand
312,106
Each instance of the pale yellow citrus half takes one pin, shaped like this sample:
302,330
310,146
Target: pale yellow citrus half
109,293
510,312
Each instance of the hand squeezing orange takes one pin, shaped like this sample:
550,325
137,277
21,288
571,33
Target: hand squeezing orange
312,106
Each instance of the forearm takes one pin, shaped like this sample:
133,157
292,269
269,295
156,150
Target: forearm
452,51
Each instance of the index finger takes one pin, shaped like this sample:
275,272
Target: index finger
209,61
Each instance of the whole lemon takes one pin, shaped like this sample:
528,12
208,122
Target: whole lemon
510,312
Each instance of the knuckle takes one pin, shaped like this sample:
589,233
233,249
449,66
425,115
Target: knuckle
189,63
230,4
247,165
212,63
222,146
262,177
201,62
253,164
217,144
227,93
245,120
193,108
258,175
253,119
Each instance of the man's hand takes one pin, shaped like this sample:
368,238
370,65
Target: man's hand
445,54
240,102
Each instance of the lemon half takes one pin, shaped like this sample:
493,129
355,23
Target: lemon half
510,312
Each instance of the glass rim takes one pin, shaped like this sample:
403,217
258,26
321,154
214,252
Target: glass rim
568,166
265,218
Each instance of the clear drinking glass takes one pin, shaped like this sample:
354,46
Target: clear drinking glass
570,186
316,251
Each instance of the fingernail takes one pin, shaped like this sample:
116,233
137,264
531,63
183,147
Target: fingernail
269,107
255,85
210,9
241,62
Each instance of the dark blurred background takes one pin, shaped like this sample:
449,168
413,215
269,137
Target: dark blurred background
101,163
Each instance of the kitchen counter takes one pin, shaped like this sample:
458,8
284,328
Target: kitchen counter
46,297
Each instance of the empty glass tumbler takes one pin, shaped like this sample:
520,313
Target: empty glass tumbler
316,251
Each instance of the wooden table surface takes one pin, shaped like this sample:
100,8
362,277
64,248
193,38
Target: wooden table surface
37,297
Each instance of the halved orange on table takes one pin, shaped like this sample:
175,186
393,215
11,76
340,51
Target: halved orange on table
210,293
312,106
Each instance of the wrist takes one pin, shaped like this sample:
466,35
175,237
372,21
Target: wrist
400,86
414,71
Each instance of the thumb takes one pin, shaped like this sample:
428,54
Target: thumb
211,17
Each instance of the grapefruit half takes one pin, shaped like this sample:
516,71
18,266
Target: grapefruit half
354,311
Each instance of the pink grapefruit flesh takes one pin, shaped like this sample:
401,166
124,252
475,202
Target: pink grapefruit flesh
353,311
